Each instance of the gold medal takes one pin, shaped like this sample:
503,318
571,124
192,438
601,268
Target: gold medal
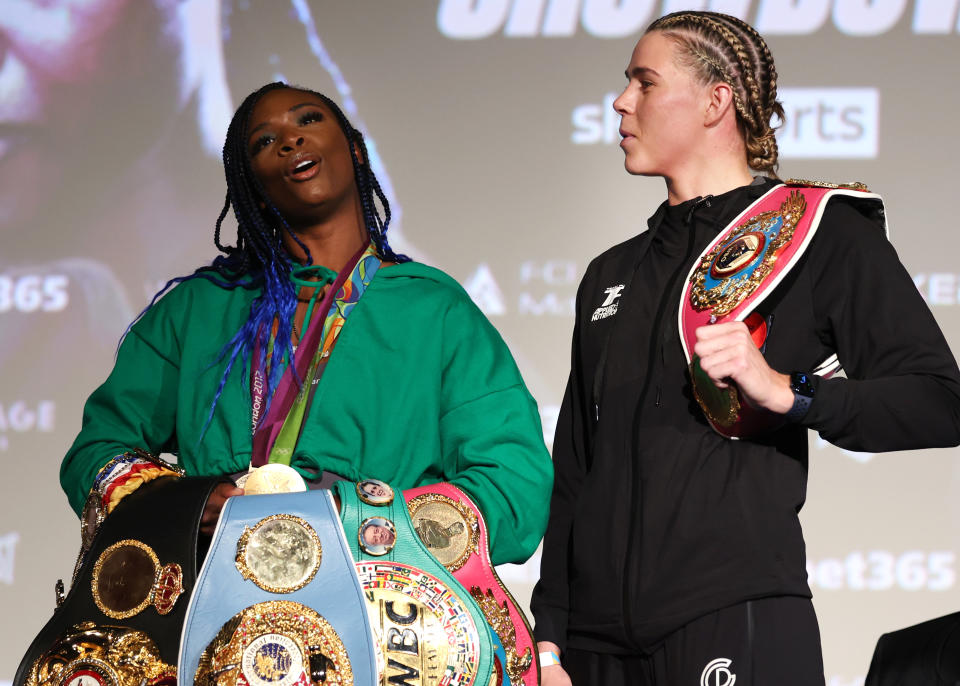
272,478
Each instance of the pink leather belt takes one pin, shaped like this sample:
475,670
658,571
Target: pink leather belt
451,526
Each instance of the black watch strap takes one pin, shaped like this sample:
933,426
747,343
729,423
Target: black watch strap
801,384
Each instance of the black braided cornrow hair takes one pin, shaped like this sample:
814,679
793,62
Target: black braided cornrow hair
720,47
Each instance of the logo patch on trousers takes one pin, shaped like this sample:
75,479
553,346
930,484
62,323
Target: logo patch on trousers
717,673
608,307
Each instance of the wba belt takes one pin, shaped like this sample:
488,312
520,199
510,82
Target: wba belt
741,267
451,526
431,630
120,623
278,602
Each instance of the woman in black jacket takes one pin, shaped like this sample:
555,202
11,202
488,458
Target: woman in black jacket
674,554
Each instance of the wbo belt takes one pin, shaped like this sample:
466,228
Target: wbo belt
120,623
740,268
452,528
278,602
431,632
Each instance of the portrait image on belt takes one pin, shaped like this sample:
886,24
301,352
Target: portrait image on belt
377,535
435,535
375,492
674,552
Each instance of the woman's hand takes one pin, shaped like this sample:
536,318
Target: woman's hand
554,675
211,511
728,354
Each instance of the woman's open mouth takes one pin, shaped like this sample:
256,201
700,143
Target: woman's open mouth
304,168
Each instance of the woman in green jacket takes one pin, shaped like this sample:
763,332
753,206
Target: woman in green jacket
418,388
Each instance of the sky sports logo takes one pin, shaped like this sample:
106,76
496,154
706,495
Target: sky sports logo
821,123
476,19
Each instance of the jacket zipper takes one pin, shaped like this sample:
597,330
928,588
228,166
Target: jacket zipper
656,345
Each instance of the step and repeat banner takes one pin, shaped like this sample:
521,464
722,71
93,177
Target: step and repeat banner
490,126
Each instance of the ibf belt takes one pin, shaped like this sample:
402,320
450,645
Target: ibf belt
451,526
740,268
278,602
431,631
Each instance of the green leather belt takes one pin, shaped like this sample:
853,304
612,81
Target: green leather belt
431,631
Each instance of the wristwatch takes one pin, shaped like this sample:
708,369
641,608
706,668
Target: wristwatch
802,386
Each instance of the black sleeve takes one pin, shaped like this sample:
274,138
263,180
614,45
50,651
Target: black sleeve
550,600
902,389
875,677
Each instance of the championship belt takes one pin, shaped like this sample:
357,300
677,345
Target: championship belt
278,602
452,528
740,268
120,623
91,655
431,632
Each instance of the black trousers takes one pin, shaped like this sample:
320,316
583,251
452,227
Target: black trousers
767,642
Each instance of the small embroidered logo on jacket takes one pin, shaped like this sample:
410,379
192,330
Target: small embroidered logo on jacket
609,306
717,673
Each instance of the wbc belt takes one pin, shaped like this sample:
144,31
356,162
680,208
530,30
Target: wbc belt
431,631
278,602
740,268
451,526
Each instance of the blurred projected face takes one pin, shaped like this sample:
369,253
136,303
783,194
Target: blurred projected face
69,69
661,110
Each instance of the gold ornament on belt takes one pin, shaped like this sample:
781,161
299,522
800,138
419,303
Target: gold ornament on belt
426,633
721,405
734,269
448,528
91,655
128,577
849,186
275,643
498,617
280,553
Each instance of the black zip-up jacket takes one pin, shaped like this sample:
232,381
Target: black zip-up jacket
655,519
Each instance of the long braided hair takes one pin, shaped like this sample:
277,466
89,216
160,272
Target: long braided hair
721,48
259,260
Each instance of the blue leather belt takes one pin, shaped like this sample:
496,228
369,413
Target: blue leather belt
278,601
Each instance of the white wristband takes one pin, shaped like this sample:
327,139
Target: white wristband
549,658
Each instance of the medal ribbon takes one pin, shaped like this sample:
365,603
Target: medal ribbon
275,438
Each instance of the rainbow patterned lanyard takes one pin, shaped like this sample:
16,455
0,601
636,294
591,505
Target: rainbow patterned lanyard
275,438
